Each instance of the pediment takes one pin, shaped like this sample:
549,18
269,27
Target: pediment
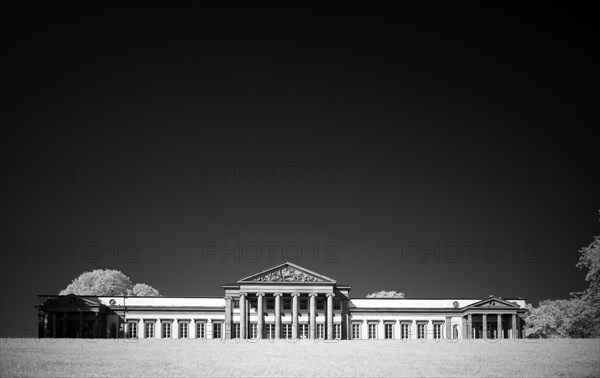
71,300
287,272
493,303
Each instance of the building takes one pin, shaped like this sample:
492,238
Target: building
285,301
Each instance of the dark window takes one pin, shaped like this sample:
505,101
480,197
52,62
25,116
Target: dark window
287,304
320,304
303,304
270,304
337,304
236,303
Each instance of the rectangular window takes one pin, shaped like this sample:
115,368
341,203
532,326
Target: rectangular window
337,331
253,303
132,330
236,330
421,331
320,331
287,304
166,330
355,331
183,330
303,331
217,331
149,330
200,330
287,331
320,304
437,331
372,330
303,304
404,330
337,304
253,331
236,303
270,304
270,331
389,330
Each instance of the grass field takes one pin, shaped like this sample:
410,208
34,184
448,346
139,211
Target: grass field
63,357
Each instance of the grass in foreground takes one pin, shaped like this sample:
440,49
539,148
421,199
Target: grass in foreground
147,358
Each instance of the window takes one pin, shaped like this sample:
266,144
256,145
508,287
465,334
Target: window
337,304
372,330
389,330
236,330
236,303
404,331
287,331
200,330
217,331
270,331
303,331
303,304
166,330
287,304
253,303
421,331
355,331
253,331
132,330
320,331
149,330
437,331
183,330
270,304
320,304
337,331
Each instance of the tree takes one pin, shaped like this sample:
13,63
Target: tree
590,260
143,290
107,282
560,318
575,317
385,294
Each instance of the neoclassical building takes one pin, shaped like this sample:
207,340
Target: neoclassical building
282,302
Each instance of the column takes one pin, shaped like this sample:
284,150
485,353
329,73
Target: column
470,326
243,315
514,327
484,322
312,326
259,325
277,315
499,326
330,315
448,327
465,331
228,317
97,325
54,332
64,325
295,315
80,330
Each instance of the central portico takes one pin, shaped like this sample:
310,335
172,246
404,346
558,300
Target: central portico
286,301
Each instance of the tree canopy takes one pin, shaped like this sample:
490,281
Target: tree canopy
386,294
578,316
107,282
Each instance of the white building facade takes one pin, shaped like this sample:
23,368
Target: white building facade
283,302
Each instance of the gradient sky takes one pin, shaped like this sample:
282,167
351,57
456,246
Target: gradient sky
440,152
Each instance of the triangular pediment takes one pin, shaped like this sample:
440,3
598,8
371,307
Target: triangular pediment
287,272
71,300
493,303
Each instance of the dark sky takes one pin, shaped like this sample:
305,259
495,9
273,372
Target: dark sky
436,151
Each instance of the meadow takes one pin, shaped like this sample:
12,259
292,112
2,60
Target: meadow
377,358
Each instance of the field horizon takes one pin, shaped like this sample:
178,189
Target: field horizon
176,357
